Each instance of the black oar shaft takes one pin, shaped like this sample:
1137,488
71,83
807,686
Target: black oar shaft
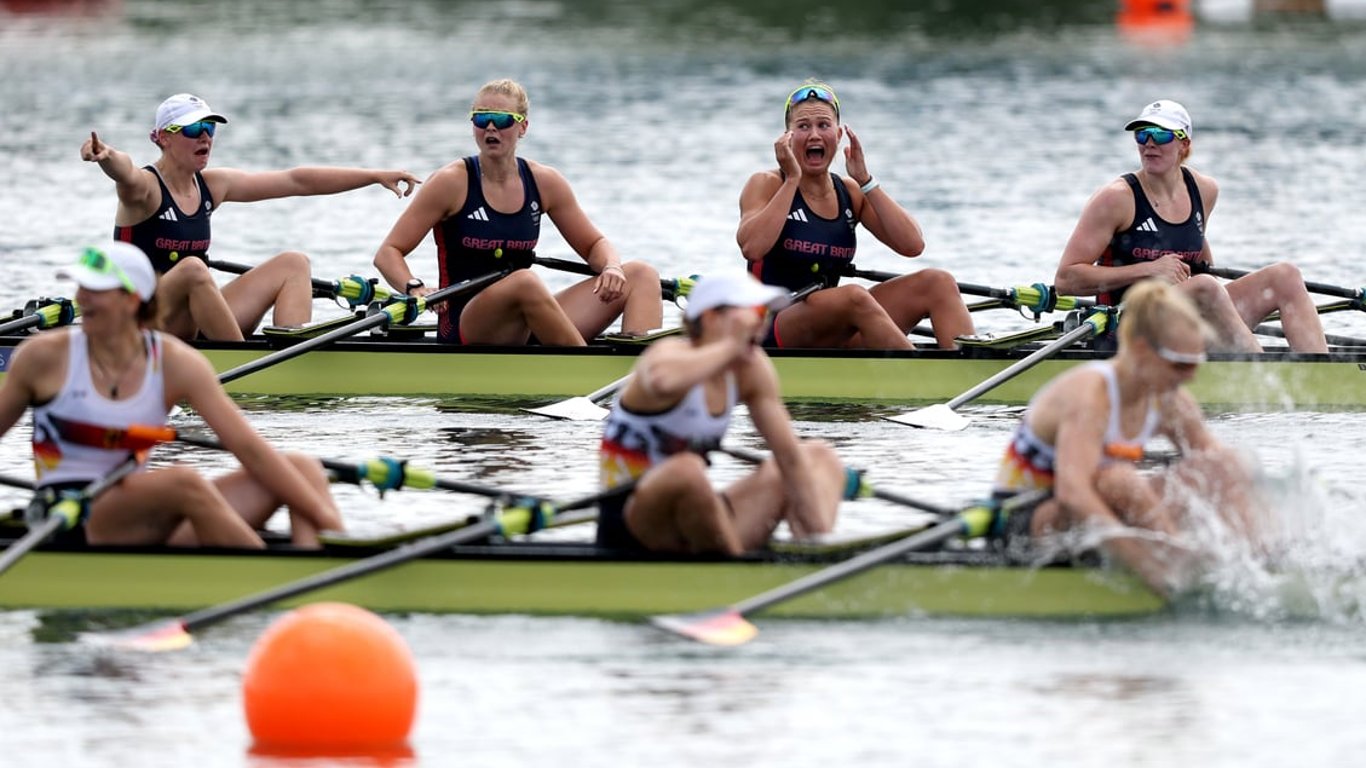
754,457
581,268
851,567
1323,289
203,618
322,289
374,320
55,522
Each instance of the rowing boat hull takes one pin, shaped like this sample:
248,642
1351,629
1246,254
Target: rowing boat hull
397,368
569,579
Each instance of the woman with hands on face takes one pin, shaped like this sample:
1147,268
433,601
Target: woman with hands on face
797,227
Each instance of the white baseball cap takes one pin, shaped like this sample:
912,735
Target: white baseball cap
1163,114
733,289
115,264
184,109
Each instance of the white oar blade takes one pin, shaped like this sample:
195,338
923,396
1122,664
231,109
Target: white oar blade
938,416
573,409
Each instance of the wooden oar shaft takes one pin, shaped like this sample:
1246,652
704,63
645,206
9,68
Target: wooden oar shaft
382,317
1086,329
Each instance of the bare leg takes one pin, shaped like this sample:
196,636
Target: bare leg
674,509
1280,287
283,281
176,505
190,302
250,499
643,310
1217,307
837,317
931,293
511,309
753,496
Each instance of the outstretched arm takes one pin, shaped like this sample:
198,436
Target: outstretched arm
233,185
139,194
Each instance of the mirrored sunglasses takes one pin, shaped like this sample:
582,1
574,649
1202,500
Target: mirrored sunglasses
483,118
808,92
1159,136
98,261
194,130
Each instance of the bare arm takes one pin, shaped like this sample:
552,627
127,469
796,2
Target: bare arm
443,194
138,191
759,391
233,185
37,369
1184,424
1109,211
579,231
883,216
190,378
765,201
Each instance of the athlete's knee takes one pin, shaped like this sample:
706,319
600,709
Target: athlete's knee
640,273
1119,482
292,260
938,281
189,273
1205,289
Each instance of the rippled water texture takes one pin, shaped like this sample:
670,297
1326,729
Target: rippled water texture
991,121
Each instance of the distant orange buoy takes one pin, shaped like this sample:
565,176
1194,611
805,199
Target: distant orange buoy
330,678
1155,21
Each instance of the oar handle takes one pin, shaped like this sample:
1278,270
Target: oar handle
864,488
1094,324
671,287
42,314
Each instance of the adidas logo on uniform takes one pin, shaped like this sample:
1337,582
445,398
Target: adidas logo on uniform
797,215
479,214
169,215
1147,226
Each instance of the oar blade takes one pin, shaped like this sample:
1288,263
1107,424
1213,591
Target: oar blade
725,626
573,409
938,416
156,637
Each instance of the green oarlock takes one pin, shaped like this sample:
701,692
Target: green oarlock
977,521
420,477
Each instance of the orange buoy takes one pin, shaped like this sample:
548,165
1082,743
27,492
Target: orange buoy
1155,22
330,678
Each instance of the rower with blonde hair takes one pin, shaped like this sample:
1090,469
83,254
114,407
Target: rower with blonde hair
1084,431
